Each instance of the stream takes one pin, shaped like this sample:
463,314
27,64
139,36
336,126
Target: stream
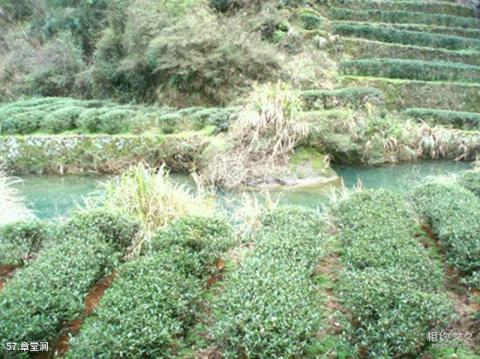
53,196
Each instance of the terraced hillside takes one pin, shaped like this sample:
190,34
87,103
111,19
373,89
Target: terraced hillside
424,55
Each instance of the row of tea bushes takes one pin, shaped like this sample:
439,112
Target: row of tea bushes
412,69
19,242
463,120
363,48
403,94
269,306
412,6
403,17
390,288
40,298
471,181
405,37
64,114
156,298
352,97
453,214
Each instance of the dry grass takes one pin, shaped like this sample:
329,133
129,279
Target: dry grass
12,206
263,137
153,197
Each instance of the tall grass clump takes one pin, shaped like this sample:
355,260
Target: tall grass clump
12,206
261,139
153,198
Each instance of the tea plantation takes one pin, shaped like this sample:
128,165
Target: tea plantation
242,95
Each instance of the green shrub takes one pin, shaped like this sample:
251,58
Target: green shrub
310,21
207,238
405,37
168,284
39,299
63,119
471,181
452,212
463,120
20,241
115,121
355,97
269,307
390,288
118,230
403,17
412,69
22,123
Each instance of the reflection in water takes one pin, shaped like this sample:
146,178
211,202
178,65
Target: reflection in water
52,196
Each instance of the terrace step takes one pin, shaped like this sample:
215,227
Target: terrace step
443,30
432,7
405,37
403,17
403,94
412,69
363,49
456,119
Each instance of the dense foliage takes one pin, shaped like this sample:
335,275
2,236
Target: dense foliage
390,287
166,287
452,212
471,181
269,305
355,97
20,241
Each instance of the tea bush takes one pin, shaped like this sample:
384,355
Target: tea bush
269,307
167,285
412,69
403,17
355,97
51,290
471,181
390,288
452,212
61,120
405,37
20,241
464,120
115,229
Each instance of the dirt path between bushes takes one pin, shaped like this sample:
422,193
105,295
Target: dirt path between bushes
6,272
466,300
62,345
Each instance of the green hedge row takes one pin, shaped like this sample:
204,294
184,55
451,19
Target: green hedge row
355,97
63,114
403,94
363,48
405,37
453,213
412,70
156,298
411,6
471,181
40,298
390,288
403,17
269,306
463,120
19,242
444,30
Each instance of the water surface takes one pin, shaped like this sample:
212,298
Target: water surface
52,196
